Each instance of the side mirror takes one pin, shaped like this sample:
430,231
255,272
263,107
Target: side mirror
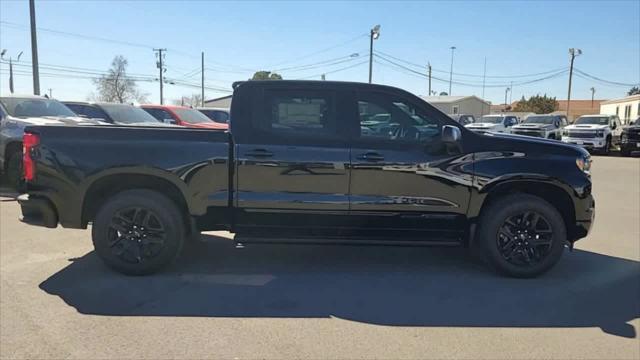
451,134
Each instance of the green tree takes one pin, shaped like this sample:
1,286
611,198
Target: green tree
634,91
537,104
266,75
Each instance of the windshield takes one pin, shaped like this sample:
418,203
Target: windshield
592,120
548,120
491,119
218,116
127,114
35,107
192,116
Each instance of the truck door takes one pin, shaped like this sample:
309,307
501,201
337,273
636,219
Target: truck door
404,180
293,163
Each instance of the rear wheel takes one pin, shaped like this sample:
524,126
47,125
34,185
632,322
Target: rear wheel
138,232
522,235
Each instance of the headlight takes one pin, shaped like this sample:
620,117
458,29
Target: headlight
599,133
584,164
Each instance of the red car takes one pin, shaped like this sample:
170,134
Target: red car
181,115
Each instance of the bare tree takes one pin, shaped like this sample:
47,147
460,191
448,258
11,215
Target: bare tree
194,100
116,86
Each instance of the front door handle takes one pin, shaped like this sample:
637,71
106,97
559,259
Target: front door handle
371,156
259,153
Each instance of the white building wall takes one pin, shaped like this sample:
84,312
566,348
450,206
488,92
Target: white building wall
618,108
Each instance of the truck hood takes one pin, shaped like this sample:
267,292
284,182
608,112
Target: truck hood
533,127
481,125
586,127
541,145
55,120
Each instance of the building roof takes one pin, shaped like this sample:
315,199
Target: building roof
450,99
624,99
219,98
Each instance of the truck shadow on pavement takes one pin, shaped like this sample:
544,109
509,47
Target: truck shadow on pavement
393,286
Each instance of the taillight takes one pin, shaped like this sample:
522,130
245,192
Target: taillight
29,141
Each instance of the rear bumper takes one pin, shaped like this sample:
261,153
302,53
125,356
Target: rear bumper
37,211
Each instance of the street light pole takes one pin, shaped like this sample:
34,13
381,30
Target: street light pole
429,67
505,97
4,51
373,35
451,70
573,53
593,91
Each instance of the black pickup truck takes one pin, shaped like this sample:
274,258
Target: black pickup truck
311,162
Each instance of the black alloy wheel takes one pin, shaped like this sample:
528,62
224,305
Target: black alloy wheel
525,239
136,234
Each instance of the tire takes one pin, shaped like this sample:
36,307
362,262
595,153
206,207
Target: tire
625,152
512,260
138,232
15,176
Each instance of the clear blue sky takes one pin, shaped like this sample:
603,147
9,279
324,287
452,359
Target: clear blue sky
237,38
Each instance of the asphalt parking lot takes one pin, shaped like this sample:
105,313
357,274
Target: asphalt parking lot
58,301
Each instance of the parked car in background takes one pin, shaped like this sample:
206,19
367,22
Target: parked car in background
17,112
219,115
495,123
297,167
544,126
594,132
630,138
181,115
463,119
119,114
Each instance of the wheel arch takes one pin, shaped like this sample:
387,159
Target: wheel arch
109,184
552,191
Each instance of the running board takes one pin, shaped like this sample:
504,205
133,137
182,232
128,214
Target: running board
239,239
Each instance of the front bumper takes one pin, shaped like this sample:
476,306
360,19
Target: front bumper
627,144
588,143
37,211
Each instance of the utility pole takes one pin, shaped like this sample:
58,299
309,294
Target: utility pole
160,65
4,51
573,53
505,97
34,49
323,77
429,67
451,70
593,91
202,84
484,78
510,92
374,34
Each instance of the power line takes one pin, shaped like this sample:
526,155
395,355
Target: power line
320,51
473,75
609,82
333,71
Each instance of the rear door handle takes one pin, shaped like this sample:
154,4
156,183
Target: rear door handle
259,153
371,156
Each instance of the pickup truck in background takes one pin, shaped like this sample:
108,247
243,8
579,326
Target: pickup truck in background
303,164
544,126
493,124
112,113
594,132
20,111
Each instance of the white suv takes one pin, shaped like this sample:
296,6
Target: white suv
594,132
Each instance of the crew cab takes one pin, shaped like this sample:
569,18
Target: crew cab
20,111
493,123
594,132
544,126
182,115
302,163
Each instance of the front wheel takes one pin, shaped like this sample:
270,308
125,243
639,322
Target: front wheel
522,235
138,232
